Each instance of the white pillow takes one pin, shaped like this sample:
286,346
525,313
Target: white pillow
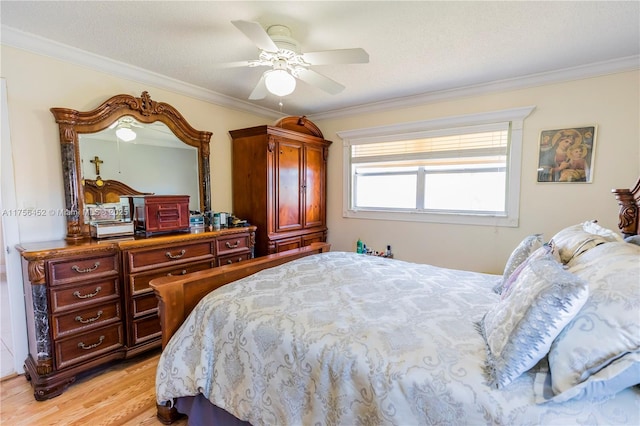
574,240
634,239
617,376
594,227
520,328
607,329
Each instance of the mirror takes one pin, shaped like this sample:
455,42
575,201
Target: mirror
83,132
155,161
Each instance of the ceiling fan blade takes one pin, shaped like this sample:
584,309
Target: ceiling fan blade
260,91
339,56
318,80
256,34
236,64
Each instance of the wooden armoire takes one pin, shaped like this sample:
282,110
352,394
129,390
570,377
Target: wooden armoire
280,183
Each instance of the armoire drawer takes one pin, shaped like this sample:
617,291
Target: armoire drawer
82,347
166,256
73,297
285,244
84,319
82,269
317,237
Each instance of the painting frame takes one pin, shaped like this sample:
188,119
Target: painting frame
566,155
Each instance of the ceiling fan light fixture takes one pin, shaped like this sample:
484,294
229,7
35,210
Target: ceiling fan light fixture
125,133
279,82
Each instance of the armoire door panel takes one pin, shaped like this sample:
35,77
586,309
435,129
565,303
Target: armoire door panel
289,186
313,185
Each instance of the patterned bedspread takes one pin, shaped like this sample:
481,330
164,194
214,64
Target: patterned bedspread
347,339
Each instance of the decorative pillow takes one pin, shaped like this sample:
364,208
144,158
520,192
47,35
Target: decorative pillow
519,255
607,328
545,250
519,329
577,239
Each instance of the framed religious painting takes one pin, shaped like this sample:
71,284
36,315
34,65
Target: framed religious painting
566,155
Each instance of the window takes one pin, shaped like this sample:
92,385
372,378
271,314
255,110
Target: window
463,169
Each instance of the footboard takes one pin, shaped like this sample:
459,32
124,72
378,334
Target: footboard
179,295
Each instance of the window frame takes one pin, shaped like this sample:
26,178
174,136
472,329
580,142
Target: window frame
514,116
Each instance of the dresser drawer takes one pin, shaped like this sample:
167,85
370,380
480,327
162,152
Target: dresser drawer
85,319
163,257
233,258
144,305
146,329
73,297
232,243
140,282
82,268
85,346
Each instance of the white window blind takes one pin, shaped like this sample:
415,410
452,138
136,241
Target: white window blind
460,169
479,141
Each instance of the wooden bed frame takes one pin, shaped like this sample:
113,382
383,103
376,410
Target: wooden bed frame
179,295
629,215
107,191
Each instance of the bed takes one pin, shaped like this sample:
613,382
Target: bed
312,336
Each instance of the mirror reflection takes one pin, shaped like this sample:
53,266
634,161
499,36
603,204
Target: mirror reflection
147,157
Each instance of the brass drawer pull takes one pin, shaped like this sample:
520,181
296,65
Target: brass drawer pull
81,345
84,271
183,272
175,256
87,296
228,244
229,261
90,320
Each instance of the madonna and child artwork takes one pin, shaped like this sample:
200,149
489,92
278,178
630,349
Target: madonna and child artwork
566,155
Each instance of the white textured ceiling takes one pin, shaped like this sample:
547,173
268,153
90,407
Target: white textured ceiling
415,48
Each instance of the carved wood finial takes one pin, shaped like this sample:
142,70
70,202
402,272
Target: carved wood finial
146,103
629,202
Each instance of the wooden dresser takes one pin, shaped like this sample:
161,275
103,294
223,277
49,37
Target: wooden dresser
279,183
90,302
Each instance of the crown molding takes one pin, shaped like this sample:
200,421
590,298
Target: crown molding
30,42
629,63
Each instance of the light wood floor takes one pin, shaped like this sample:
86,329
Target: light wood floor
121,394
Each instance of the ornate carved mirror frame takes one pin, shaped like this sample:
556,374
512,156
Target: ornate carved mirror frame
72,123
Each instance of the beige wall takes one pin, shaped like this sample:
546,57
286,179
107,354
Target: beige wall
610,102
36,83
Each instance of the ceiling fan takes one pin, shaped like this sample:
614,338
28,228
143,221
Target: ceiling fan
282,54
124,128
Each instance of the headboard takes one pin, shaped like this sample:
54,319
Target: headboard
629,201
108,192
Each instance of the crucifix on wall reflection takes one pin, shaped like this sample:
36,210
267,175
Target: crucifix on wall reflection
96,162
